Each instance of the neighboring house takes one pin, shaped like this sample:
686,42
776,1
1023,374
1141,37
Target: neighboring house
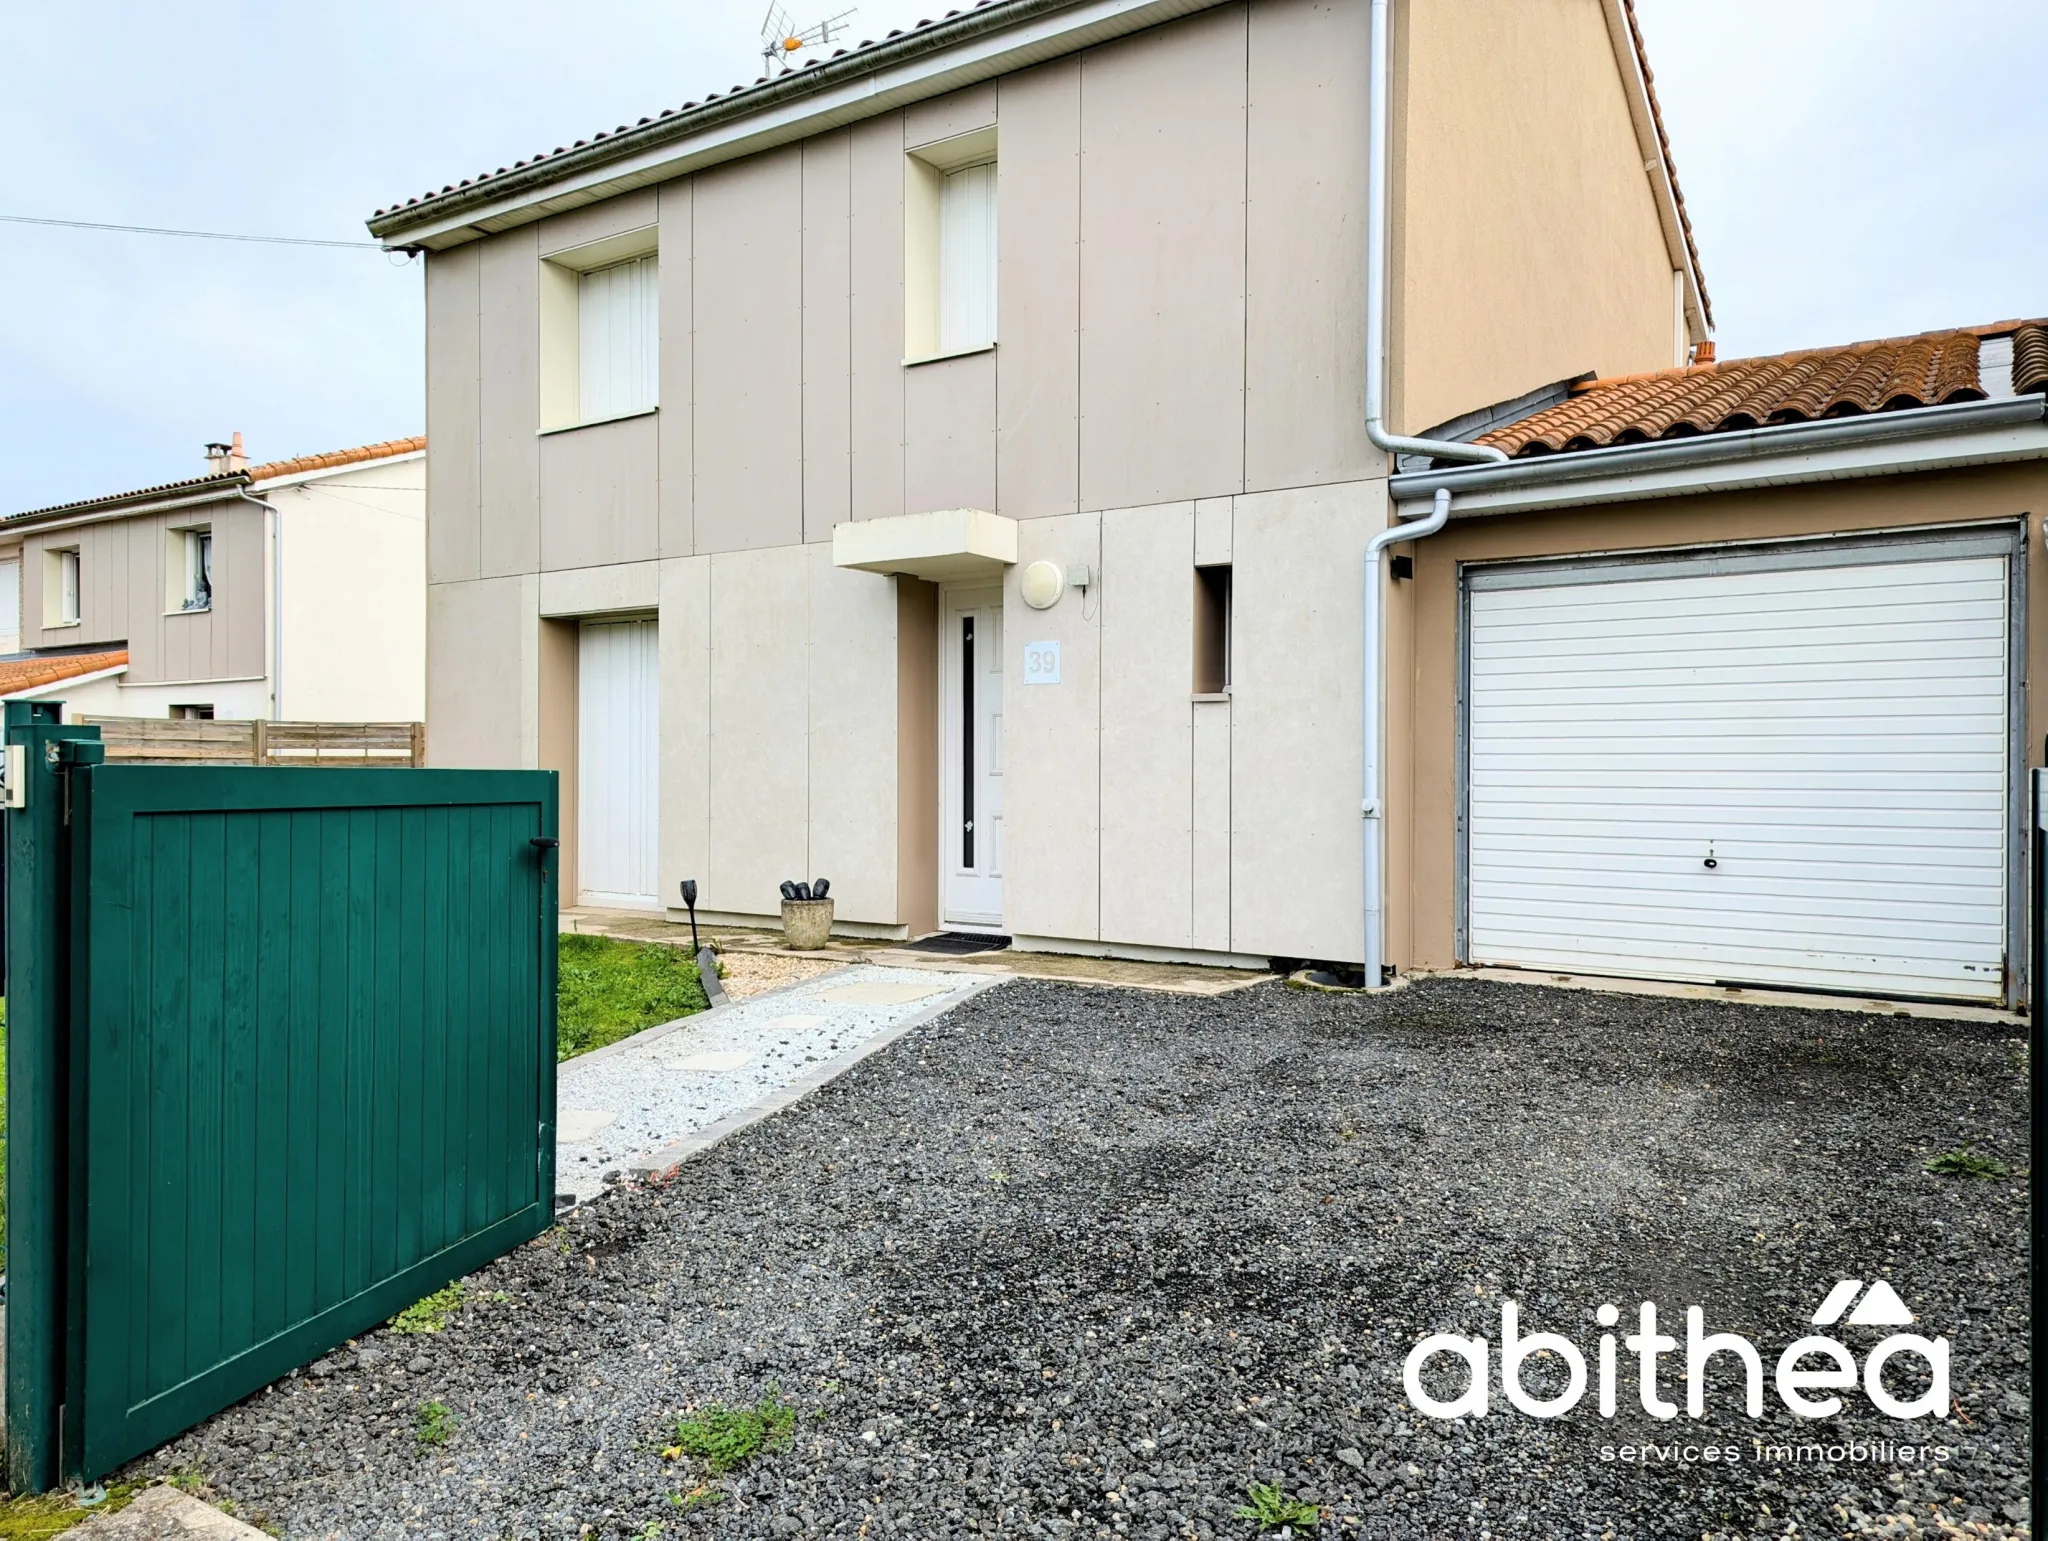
289,591
944,468
1732,674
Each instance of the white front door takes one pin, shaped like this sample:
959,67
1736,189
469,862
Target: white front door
971,760
618,696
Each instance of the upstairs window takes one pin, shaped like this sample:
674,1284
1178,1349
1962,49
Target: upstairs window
617,324
967,258
600,330
949,247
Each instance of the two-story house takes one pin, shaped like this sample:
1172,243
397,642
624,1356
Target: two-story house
293,590
945,468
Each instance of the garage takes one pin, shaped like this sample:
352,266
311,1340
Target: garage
1784,764
618,699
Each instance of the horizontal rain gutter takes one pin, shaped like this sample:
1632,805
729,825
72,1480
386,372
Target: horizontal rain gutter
1378,239
1785,454
100,513
978,45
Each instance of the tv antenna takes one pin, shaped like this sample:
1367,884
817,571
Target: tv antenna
782,39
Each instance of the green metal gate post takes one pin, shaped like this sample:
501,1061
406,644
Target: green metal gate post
38,1048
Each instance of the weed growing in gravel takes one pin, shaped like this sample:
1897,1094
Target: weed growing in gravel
1965,1162
724,1437
433,1423
431,1314
1271,1509
700,1497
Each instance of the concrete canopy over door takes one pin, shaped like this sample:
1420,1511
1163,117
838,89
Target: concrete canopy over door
1785,766
618,704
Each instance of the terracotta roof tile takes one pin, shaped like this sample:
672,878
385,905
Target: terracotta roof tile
28,673
1932,369
2030,359
338,457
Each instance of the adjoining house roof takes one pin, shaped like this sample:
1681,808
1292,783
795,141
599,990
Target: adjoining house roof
334,459
1931,369
21,674
225,484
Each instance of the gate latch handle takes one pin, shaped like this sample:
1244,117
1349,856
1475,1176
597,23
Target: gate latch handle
543,842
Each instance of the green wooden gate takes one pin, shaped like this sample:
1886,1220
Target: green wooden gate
309,1073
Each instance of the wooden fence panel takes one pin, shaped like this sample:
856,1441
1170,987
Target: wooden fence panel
188,741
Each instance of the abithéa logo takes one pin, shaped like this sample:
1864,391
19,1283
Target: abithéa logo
1808,1373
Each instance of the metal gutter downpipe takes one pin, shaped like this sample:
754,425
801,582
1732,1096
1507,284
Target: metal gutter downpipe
1379,76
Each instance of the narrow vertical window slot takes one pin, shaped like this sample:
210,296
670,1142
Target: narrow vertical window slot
1212,630
967,741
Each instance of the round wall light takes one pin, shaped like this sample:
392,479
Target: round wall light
1041,585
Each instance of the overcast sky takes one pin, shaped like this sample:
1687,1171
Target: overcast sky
1854,168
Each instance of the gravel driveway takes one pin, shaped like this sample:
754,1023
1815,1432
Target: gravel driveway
1076,1261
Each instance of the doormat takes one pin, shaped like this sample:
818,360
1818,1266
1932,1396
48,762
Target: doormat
957,944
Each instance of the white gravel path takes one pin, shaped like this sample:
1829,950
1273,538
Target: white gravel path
660,1087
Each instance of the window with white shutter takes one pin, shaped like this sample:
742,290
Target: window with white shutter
617,339
967,258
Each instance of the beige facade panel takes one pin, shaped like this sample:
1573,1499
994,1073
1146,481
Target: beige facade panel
943,117
1212,531
759,749
599,493
626,588
1038,282
1429,892
676,428
877,325
1209,776
1052,790
1297,610
598,221
852,718
483,680
748,297
1145,603
1304,333
949,451
509,400
454,415
684,637
1527,241
1162,263
828,333
557,728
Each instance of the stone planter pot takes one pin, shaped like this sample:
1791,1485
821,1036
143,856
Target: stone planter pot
806,923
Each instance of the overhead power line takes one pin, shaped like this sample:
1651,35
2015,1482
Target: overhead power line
195,235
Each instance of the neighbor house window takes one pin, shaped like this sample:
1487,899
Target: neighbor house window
949,247
198,570
61,587
10,605
193,713
600,330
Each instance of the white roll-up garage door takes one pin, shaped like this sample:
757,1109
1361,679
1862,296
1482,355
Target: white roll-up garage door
617,765
1785,767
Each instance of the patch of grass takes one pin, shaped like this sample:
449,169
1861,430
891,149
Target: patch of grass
1965,1162
724,1437
431,1314
607,990
433,1423
1272,1509
50,1514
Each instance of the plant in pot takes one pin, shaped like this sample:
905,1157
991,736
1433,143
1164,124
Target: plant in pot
806,915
